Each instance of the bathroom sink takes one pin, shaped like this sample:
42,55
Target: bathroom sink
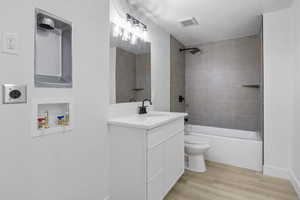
146,121
152,116
155,115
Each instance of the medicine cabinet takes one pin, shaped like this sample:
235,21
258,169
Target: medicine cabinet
53,51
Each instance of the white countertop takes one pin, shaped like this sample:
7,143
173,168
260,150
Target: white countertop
148,121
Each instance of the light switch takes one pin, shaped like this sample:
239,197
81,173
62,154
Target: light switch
10,43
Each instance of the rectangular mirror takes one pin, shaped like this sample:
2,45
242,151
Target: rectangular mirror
130,67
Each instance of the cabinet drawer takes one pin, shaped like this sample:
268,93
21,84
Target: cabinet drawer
158,135
155,161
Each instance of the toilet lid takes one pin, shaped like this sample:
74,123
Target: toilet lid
191,139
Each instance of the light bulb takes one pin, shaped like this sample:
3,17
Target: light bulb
129,26
126,35
117,31
136,29
133,39
144,35
139,31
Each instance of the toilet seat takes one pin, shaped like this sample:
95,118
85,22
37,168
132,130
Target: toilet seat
197,146
194,140
195,149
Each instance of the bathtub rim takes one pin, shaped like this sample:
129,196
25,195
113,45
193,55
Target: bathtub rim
191,129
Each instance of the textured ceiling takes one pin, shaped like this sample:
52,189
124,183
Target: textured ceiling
218,19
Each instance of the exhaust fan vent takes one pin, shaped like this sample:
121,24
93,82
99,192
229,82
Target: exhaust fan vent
189,22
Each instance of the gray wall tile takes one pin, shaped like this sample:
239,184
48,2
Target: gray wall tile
214,79
177,76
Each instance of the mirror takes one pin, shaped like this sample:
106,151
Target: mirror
130,67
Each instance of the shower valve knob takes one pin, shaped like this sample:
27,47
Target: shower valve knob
181,99
15,94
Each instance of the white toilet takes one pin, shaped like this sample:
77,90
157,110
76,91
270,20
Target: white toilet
194,153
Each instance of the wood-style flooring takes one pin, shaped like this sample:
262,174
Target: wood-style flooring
222,182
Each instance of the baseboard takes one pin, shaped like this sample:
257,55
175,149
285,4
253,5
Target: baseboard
295,182
285,174
276,172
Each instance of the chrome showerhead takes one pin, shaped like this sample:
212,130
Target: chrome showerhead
193,50
46,23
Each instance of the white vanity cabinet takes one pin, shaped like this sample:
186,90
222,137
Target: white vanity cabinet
146,162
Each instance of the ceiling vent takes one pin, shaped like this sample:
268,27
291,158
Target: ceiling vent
189,22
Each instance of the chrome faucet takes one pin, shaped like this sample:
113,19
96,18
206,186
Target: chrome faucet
143,108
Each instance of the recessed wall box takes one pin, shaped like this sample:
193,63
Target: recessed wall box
53,51
14,94
51,116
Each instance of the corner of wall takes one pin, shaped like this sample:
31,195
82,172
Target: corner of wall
295,182
283,173
277,172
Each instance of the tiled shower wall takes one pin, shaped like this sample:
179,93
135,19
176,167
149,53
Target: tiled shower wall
215,95
177,76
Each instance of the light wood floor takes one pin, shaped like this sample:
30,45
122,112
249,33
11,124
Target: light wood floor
222,182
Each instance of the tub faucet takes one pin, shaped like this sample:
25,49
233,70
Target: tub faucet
143,108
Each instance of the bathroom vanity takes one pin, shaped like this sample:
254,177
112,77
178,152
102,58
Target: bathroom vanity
147,155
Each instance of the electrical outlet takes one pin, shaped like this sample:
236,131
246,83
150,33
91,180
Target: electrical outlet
14,94
10,43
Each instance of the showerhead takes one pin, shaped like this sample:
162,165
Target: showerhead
46,23
193,50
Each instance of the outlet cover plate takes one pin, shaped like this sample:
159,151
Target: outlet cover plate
14,94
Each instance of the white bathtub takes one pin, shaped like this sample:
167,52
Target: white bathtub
233,147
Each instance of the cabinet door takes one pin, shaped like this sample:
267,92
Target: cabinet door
174,160
156,187
155,161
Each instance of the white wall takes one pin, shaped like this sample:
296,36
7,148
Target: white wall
295,147
278,92
282,93
160,68
72,166
160,59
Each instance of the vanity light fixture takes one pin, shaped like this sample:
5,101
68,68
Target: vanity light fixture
138,28
131,30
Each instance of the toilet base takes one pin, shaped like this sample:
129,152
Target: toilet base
195,163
